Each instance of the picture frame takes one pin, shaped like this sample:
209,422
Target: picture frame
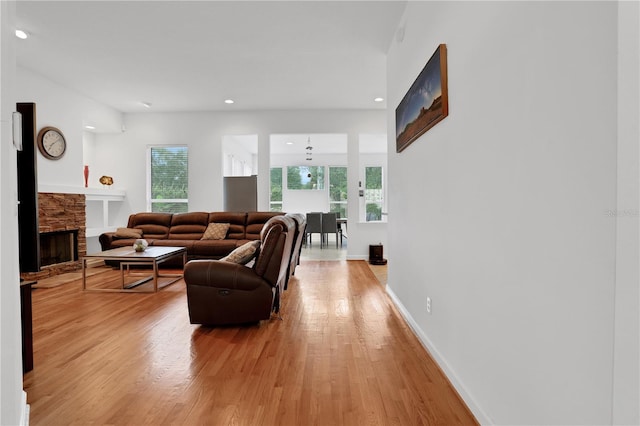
426,102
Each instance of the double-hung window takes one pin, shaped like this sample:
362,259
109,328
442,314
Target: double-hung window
305,177
168,179
373,193
275,197
338,190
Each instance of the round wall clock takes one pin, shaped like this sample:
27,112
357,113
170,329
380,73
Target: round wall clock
51,143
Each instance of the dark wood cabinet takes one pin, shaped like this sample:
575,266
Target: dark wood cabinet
27,326
28,230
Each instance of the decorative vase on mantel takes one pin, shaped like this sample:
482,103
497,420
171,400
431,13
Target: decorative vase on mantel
86,176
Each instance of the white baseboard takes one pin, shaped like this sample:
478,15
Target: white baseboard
24,416
479,414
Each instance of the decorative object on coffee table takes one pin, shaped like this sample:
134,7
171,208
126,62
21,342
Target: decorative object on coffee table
140,245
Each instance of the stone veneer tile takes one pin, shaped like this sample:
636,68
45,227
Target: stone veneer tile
61,212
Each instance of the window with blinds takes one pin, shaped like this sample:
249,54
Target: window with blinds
338,190
168,179
275,198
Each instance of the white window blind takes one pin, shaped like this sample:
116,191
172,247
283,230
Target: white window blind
168,179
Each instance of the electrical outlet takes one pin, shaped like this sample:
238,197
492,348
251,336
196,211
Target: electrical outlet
428,304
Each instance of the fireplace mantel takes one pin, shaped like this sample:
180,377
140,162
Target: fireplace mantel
95,193
96,225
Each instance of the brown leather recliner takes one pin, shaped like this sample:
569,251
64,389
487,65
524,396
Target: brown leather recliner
301,225
220,292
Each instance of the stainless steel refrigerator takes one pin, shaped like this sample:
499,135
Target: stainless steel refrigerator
240,193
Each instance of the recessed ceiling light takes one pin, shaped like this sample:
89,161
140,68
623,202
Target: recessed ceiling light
21,34
146,104
378,100
228,101
90,127
289,143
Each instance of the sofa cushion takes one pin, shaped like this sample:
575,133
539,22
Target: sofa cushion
128,233
255,222
188,244
243,254
215,231
188,226
236,221
214,249
123,242
153,225
191,218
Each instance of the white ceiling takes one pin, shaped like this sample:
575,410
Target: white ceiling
296,144
192,55
325,143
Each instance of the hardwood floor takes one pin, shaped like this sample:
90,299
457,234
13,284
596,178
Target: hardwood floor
342,355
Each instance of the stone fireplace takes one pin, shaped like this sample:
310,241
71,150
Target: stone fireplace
62,227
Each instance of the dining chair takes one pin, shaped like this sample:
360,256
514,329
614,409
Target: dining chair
314,226
330,226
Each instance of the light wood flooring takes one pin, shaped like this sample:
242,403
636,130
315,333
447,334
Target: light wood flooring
342,355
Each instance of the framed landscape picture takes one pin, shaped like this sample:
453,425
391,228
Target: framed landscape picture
426,102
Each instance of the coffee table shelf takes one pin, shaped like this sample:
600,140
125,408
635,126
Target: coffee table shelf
127,257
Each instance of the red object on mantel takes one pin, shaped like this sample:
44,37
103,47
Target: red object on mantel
86,176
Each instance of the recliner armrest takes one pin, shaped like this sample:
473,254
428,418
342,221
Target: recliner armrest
221,274
106,239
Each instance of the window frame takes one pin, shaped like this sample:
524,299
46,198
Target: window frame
150,201
273,203
342,202
383,190
324,178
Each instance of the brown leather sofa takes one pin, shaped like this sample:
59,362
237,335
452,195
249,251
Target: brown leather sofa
220,292
186,230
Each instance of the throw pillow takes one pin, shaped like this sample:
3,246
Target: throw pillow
128,233
243,254
215,231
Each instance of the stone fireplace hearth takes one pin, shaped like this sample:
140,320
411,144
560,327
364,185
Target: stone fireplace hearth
61,214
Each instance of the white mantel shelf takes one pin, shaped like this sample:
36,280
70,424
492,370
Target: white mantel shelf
96,194
95,232
103,195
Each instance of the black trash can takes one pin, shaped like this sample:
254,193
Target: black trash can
376,256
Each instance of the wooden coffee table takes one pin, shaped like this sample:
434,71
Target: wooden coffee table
128,257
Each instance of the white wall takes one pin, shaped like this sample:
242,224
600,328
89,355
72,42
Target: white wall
237,159
13,408
88,142
508,206
123,155
626,394
69,111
